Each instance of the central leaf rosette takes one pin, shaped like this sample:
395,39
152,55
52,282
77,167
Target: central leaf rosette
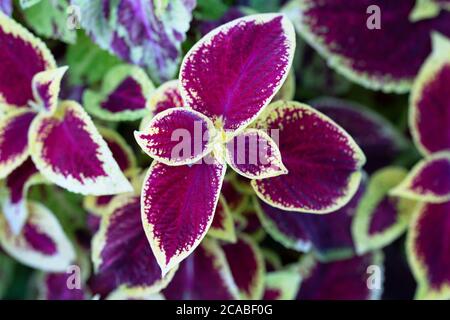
226,82
180,136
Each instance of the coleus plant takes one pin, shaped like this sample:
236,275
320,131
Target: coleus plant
226,83
123,96
40,134
356,38
145,33
429,181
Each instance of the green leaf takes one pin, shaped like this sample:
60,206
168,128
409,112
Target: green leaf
6,273
49,19
210,9
87,62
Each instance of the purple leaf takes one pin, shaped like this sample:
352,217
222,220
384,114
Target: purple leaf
121,151
430,100
177,136
14,140
22,56
54,286
140,32
428,181
222,226
85,165
46,86
123,95
328,235
41,244
205,275
378,139
428,250
381,218
175,228
13,197
323,162
6,7
254,155
233,72
121,254
167,96
345,32
247,267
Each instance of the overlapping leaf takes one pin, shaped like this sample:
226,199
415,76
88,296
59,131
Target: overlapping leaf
247,267
323,161
427,243
41,244
339,30
122,256
175,228
233,97
204,275
139,33
123,96
85,165
381,218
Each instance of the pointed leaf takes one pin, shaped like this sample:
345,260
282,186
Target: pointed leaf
328,235
247,267
254,155
282,285
380,219
323,161
55,286
379,140
167,96
46,87
175,228
222,226
13,194
42,243
138,33
16,41
85,165
123,96
177,136
14,140
430,100
121,254
97,206
205,275
233,72
283,227
339,30
427,248
121,151
428,181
